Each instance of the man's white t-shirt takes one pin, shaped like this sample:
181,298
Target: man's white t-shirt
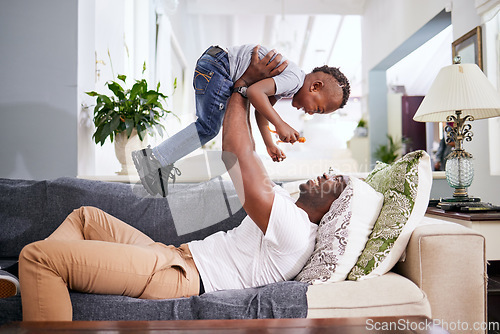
287,83
244,257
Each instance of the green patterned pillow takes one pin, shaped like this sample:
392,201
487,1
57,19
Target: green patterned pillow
406,186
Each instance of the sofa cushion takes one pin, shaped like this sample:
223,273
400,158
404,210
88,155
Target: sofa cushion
32,210
368,298
342,233
406,186
277,300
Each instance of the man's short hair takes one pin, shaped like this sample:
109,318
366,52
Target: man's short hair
341,80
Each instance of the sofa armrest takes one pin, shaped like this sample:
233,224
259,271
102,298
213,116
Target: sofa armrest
448,262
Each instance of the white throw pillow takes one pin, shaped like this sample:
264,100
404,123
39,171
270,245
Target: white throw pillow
342,233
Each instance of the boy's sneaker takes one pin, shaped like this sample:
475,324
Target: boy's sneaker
153,176
169,172
9,285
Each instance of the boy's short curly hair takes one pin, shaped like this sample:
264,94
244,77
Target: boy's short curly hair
341,79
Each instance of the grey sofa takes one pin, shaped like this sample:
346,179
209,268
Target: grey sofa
443,276
31,210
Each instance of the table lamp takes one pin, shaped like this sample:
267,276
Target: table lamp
460,93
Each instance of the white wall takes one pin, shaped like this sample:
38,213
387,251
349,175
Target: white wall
485,186
387,41
86,83
38,90
111,40
389,23
120,36
381,37
491,36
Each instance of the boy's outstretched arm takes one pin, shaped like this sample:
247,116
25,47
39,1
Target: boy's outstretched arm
274,151
259,94
252,183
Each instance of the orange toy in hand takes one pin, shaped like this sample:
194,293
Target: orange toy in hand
300,140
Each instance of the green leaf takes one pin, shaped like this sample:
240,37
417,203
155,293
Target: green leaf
159,105
98,106
97,134
115,122
105,132
143,69
388,153
171,113
126,109
129,124
136,90
116,89
140,132
159,129
106,100
151,98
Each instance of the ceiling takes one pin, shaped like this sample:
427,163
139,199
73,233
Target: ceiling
276,7
310,33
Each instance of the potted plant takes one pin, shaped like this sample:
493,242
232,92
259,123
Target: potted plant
390,152
361,129
127,115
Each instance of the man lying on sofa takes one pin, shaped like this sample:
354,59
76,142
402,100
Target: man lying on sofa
94,252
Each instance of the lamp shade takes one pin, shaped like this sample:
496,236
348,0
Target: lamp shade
459,87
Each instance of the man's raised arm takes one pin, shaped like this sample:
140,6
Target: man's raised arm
245,168
252,183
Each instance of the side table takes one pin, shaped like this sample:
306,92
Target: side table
486,223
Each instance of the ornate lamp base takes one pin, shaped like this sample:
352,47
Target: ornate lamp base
460,195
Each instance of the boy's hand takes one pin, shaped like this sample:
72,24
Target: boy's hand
286,133
276,153
260,69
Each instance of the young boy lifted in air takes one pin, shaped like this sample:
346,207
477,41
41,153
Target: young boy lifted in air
217,75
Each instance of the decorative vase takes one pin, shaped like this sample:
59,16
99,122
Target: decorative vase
123,149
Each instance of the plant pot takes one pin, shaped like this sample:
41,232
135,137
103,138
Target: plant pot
123,149
361,131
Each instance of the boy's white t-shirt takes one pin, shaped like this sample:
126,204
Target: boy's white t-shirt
244,257
287,83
